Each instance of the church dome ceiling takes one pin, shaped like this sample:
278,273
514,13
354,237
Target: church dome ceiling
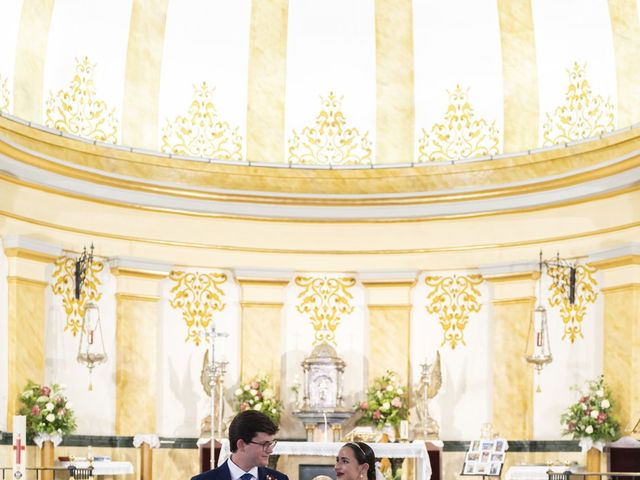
331,83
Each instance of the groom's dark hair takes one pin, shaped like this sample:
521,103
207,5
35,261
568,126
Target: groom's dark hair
247,424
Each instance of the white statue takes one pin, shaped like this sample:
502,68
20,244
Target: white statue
430,383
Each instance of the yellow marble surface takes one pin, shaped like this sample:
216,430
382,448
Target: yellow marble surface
625,24
31,50
136,324
395,113
512,380
495,173
389,341
622,344
266,90
520,75
26,337
261,353
142,73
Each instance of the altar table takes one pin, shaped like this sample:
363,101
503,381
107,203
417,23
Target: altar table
102,468
417,450
538,472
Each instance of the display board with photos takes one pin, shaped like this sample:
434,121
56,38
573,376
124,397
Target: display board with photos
485,457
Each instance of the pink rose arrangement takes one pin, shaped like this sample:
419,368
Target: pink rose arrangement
47,410
591,416
258,394
386,402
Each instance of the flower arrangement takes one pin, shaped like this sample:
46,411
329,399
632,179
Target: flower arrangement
47,410
591,416
386,402
258,395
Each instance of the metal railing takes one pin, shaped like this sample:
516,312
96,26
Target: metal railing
36,473
567,475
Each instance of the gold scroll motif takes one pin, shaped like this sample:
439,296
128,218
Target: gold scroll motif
330,141
198,296
201,132
4,94
460,135
583,114
76,110
63,285
572,314
325,299
453,299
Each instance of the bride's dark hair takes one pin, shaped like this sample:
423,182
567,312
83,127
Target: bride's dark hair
364,454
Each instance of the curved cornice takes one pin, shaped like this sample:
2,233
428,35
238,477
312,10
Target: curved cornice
70,166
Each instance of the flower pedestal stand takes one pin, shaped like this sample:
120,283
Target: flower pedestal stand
46,459
594,457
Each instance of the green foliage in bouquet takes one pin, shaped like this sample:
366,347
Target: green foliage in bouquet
259,395
591,416
386,402
47,410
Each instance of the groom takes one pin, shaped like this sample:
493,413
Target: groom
251,439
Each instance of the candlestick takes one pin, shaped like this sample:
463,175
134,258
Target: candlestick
326,431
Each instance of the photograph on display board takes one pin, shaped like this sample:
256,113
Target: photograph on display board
488,445
497,457
485,457
469,468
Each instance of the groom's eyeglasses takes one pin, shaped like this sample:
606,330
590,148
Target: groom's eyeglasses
266,445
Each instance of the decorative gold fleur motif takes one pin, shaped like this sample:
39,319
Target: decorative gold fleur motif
199,296
582,115
572,314
330,141
453,298
325,299
75,109
4,94
63,284
200,132
460,135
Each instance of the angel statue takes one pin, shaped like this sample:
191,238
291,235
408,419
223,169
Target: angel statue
205,380
430,383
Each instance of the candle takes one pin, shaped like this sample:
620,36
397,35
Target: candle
404,430
326,430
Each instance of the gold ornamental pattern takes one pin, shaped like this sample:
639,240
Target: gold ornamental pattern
461,134
585,293
198,296
453,298
200,132
325,300
63,285
4,94
76,109
330,141
582,115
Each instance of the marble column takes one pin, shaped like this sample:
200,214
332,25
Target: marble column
27,283
620,287
513,301
137,313
389,304
262,302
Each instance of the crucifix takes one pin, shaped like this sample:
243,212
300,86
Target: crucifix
19,447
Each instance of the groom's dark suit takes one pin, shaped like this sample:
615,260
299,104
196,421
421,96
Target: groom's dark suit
223,473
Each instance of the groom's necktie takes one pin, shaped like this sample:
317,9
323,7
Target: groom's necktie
246,476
